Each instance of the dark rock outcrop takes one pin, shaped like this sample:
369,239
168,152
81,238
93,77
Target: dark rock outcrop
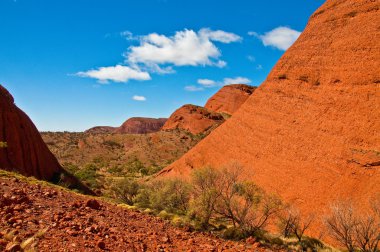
23,150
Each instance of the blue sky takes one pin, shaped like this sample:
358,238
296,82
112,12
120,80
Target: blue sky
75,64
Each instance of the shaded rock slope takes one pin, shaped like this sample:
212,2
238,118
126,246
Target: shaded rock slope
134,125
23,149
63,221
311,131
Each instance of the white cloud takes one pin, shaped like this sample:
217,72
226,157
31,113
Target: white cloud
185,48
116,73
139,98
219,35
128,35
156,53
207,82
251,58
193,88
237,80
281,37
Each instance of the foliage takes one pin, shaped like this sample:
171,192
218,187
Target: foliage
125,190
89,175
3,144
170,195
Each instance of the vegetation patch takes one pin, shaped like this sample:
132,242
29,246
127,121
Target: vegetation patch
3,144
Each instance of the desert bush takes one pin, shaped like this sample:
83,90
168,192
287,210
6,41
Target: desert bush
89,175
170,195
259,215
353,230
135,166
223,193
116,170
125,190
291,223
112,144
243,202
233,233
206,192
341,224
147,171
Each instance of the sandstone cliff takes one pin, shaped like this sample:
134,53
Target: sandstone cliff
311,131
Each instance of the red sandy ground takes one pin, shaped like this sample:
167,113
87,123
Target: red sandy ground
79,223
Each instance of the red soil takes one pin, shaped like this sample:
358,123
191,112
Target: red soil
311,131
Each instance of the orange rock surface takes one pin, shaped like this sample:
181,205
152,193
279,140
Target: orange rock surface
229,98
311,131
194,119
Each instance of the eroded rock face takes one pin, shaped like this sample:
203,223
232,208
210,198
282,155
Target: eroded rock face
194,119
100,130
141,125
25,151
308,130
229,98
134,125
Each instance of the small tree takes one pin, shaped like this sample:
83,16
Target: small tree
287,220
206,192
243,202
342,224
172,195
126,190
367,233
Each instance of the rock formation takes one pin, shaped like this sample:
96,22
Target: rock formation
311,132
100,130
229,98
197,119
22,148
194,119
134,125
141,125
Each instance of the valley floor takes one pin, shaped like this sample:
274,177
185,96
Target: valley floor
60,220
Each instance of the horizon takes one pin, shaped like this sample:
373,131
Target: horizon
74,65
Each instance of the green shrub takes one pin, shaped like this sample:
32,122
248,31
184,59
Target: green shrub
125,190
233,233
206,192
89,175
171,195
116,170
